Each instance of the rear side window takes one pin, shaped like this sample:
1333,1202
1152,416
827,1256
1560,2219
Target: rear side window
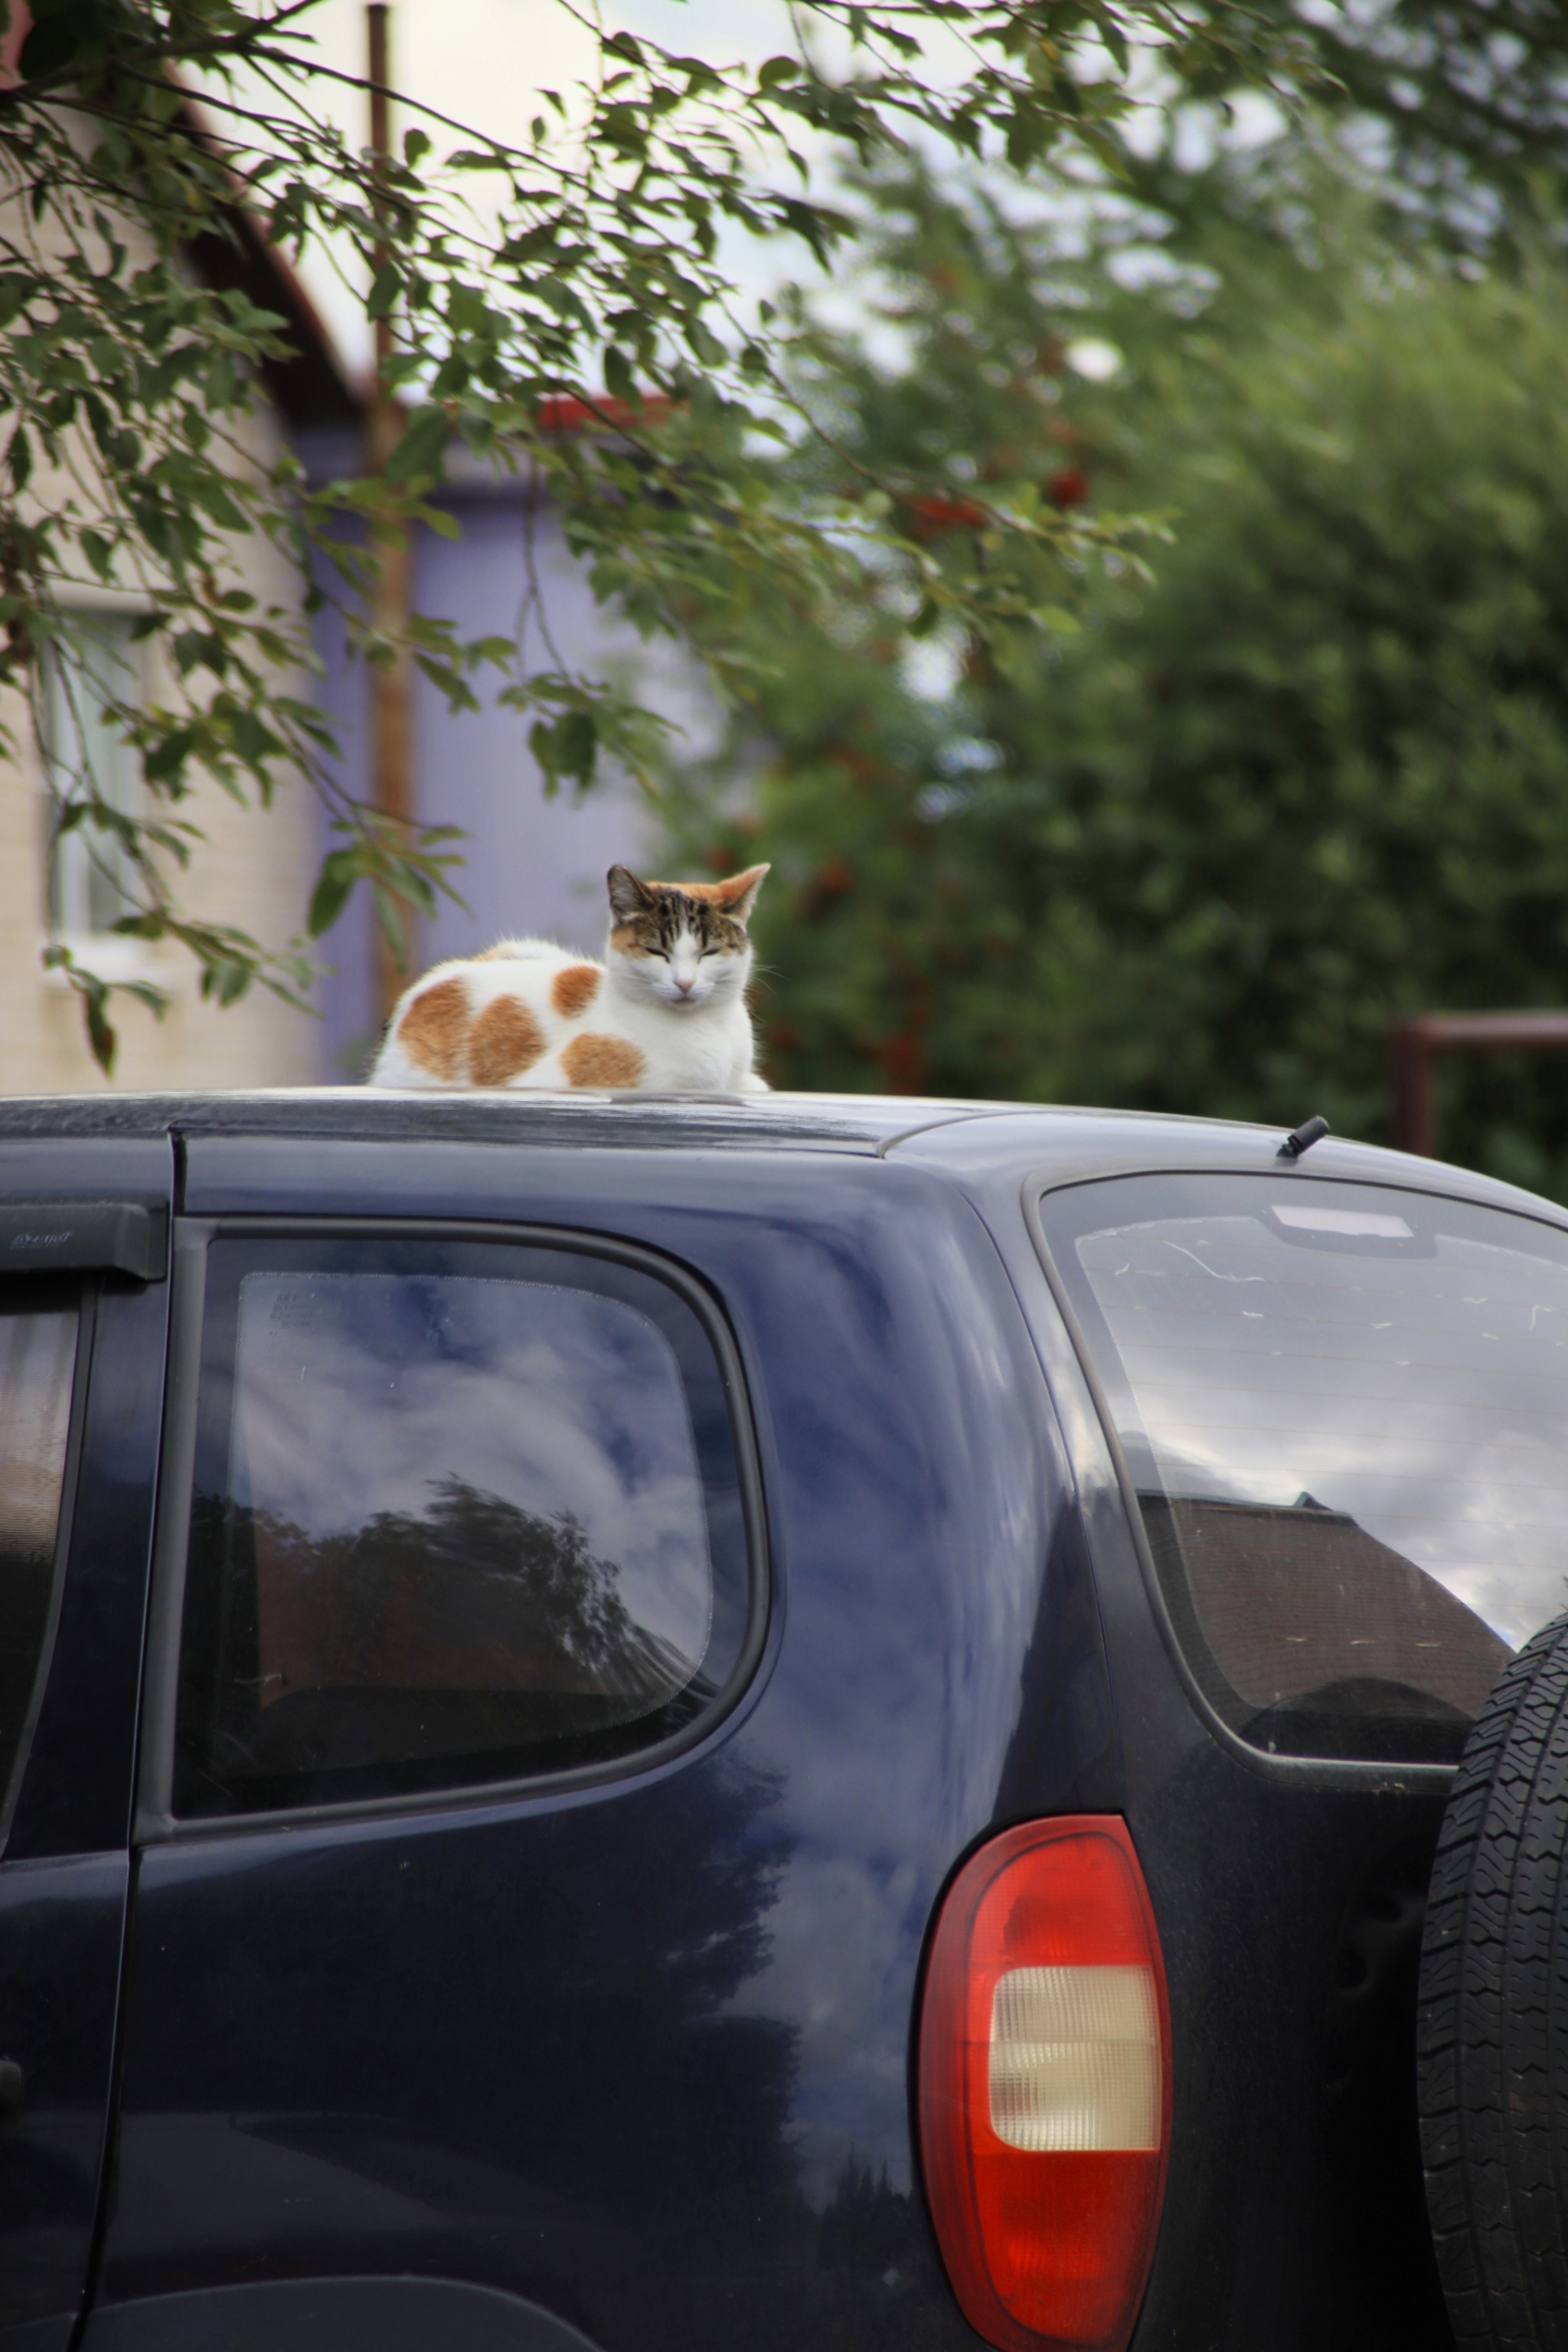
461,1513
38,1370
1344,1411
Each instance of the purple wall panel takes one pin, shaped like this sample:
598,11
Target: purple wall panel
346,996
533,864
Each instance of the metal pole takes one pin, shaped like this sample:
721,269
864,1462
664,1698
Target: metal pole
1415,1040
391,750
1414,1122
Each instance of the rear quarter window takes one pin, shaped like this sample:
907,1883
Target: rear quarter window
460,1514
1343,1412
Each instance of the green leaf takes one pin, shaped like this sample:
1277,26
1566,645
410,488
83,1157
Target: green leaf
96,549
384,290
423,447
212,493
100,1037
165,763
566,748
339,873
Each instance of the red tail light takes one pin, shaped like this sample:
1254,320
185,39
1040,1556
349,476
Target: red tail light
1045,2085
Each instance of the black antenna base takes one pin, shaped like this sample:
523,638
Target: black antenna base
1302,1138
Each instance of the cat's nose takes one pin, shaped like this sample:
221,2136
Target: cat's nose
686,986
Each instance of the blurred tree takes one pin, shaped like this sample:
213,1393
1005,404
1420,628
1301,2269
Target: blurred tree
1194,856
1470,96
574,276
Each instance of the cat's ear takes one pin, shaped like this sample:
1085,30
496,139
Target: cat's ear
738,894
628,896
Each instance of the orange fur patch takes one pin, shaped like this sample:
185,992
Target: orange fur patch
594,1061
507,1039
432,1031
572,990
503,953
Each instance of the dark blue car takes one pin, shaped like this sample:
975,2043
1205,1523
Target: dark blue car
673,1725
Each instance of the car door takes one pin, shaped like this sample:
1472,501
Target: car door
83,1315
458,1525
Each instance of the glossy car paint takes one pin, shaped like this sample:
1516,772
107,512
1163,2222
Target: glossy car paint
627,2051
636,2057
64,1877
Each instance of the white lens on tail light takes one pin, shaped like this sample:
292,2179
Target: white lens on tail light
1075,2059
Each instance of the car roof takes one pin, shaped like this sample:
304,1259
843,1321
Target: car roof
966,1140
858,1123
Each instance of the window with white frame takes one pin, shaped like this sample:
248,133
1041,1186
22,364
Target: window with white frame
89,872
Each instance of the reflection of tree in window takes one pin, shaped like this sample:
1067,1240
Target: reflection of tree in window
473,1593
473,1625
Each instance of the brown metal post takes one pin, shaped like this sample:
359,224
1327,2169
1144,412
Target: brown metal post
1415,1042
1413,1126
391,752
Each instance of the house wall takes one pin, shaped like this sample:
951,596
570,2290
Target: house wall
252,870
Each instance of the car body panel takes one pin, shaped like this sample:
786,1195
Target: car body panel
669,2058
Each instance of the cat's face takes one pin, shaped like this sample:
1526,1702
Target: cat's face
681,944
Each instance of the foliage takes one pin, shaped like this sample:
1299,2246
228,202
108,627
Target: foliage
1196,857
1471,96
578,273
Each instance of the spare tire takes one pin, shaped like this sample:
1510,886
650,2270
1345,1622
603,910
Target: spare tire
1492,2032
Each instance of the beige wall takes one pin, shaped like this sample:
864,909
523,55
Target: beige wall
254,870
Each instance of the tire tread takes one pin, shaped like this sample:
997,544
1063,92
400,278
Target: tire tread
1493,2029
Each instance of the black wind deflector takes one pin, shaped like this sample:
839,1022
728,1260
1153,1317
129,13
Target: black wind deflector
100,1236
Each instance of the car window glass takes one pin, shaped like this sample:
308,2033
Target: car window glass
1344,1410
37,1366
459,1515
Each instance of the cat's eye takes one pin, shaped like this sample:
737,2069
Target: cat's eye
709,951
659,952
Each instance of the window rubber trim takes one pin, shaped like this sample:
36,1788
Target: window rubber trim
1301,1771
155,1822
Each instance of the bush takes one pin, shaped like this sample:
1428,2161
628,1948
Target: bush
1314,774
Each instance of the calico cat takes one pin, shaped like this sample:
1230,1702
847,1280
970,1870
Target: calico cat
666,1010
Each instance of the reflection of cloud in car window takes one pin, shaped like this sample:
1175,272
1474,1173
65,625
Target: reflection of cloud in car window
1427,1397
354,1391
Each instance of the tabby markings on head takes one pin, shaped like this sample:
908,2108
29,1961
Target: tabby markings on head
507,1039
594,1061
574,990
700,908
432,1030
